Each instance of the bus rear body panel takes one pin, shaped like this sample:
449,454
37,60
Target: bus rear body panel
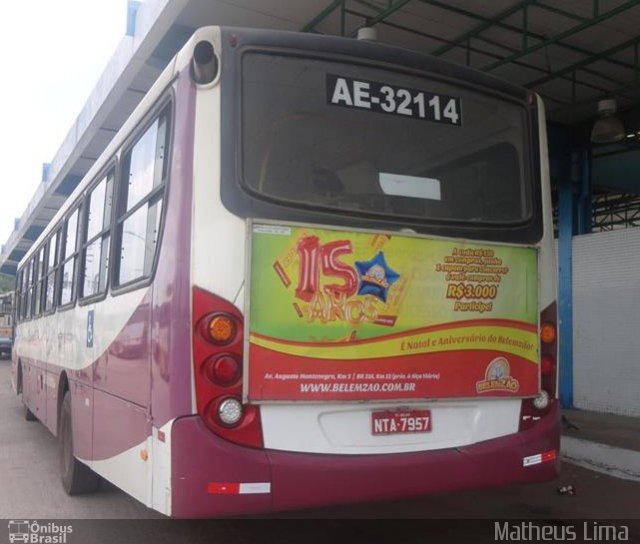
280,480
320,451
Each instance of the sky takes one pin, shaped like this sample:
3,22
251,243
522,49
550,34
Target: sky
52,55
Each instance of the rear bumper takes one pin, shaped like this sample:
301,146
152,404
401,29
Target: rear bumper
300,480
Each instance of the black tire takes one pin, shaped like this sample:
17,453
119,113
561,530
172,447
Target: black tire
28,414
77,478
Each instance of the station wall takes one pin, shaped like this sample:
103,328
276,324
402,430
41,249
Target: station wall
606,321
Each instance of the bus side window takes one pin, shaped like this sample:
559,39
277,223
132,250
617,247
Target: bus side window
28,290
18,296
52,272
140,203
39,280
67,292
95,253
23,292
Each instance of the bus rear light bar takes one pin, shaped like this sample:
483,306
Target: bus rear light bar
549,349
217,359
535,409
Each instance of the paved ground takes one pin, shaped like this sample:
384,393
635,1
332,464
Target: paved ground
30,488
614,430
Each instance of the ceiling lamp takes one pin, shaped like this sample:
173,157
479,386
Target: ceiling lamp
607,128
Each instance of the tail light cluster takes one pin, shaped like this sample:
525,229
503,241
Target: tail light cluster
533,410
217,358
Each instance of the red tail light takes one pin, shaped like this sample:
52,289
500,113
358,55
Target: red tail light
547,365
217,358
223,370
533,410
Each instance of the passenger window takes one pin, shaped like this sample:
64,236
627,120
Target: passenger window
140,204
95,252
67,291
144,171
29,290
39,281
52,273
25,292
18,296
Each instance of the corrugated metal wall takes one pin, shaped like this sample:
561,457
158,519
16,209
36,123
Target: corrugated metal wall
606,321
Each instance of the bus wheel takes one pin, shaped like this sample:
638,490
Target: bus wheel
28,414
77,477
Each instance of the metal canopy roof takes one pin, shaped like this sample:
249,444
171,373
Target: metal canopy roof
572,52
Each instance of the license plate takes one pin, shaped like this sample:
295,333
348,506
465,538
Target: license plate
401,421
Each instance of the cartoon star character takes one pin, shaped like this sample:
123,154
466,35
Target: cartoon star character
376,277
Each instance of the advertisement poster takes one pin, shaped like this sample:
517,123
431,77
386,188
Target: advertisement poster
338,315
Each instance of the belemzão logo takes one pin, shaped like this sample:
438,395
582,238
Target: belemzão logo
497,378
33,532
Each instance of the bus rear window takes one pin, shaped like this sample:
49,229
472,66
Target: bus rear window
351,138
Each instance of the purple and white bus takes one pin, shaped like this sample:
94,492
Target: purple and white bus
307,270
